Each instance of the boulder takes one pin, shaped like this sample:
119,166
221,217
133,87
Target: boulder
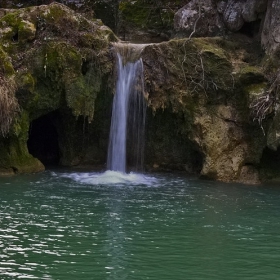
237,12
271,28
214,18
198,18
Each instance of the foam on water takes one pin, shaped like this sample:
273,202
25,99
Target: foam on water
111,178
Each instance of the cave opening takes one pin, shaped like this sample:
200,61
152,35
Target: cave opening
15,37
270,163
167,145
43,139
251,29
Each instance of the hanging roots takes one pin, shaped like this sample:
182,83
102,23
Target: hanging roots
9,106
266,103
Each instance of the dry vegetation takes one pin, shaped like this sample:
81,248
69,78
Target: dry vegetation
266,103
9,106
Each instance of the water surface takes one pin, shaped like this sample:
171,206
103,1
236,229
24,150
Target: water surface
63,225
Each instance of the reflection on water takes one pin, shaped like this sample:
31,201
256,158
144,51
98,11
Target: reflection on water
59,225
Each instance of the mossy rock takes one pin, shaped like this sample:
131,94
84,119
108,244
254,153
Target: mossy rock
146,14
20,126
249,75
65,66
255,90
9,25
6,66
187,74
26,31
14,155
81,95
15,29
25,81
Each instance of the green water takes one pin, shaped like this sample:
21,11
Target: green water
57,226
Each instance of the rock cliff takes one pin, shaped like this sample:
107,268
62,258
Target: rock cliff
212,101
54,62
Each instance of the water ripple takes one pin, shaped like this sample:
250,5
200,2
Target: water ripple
57,226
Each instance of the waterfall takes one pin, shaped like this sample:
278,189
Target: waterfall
129,110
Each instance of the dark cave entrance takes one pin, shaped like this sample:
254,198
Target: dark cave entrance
251,29
168,147
270,163
43,139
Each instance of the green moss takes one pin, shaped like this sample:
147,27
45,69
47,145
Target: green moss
14,154
6,66
97,43
60,18
255,90
248,69
81,94
51,65
56,12
10,20
15,32
25,81
209,45
251,75
63,69
59,74
26,31
146,14
21,126
201,64
109,35
134,12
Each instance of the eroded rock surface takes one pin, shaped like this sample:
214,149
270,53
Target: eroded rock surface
58,59
213,18
271,28
199,91
208,88
200,18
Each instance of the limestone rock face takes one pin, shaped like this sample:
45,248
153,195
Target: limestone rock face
232,15
271,43
207,88
273,137
237,12
60,67
59,60
212,18
227,146
200,18
271,29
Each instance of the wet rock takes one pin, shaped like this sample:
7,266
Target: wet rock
199,18
212,18
232,15
209,110
58,59
271,28
236,13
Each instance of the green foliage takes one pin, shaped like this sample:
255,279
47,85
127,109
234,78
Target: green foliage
148,14
6,67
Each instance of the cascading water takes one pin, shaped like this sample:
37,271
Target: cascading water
127,125
129,109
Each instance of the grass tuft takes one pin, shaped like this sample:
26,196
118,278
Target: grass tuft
9,106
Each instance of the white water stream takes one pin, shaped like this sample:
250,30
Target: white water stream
128,113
